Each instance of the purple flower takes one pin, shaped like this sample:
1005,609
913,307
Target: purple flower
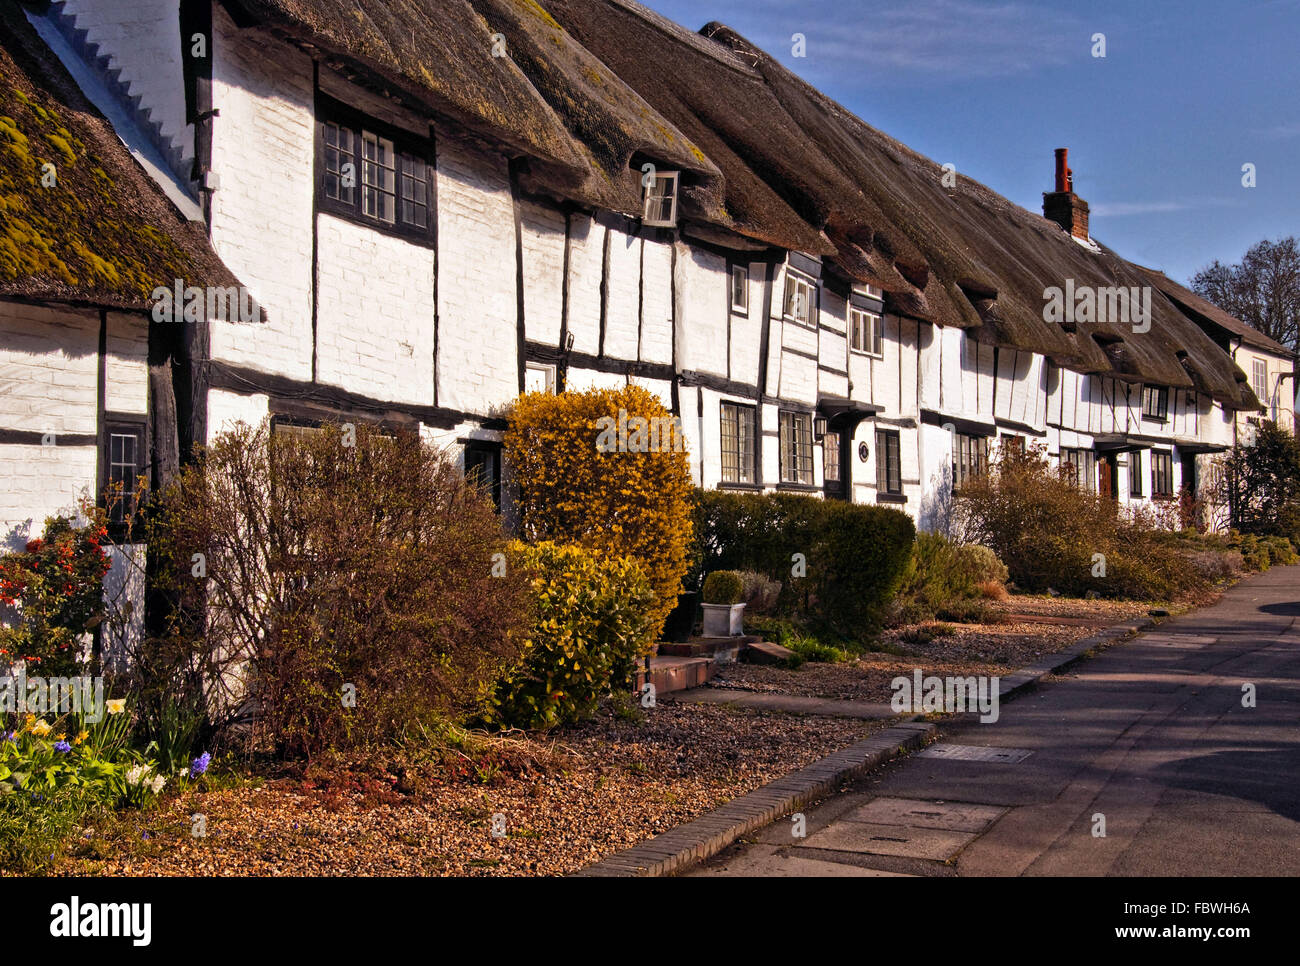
62,746
199,765
12,736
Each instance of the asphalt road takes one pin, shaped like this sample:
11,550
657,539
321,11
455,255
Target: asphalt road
1151,738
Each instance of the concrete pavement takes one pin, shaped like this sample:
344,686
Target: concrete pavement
1149,742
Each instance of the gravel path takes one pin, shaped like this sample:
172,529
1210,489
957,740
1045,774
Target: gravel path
610,784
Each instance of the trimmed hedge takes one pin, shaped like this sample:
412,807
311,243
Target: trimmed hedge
853,555
594,617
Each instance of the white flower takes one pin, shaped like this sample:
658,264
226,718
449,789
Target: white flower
136,774
157,785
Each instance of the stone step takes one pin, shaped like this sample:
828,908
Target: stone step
765,652
669,674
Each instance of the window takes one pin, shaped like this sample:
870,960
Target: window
539,377
124,463
871,291
661,200
889,464
1155,402
800,294
1011,443
831,457
375,176
796,448
1162,474
737,443
1080,467
740,289
483,467
865,332
1259,381
1135,473
970,459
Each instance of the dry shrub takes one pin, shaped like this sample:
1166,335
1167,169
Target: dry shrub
1049,532
327,568
992,590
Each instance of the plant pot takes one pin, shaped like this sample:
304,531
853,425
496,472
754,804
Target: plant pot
681,621
723,620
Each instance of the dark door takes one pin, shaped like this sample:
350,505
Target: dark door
835,465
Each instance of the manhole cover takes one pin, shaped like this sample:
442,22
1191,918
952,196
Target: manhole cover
1176,640
953,816
865,837
1003,756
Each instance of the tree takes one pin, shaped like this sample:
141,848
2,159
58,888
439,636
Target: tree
1263,483
1263,290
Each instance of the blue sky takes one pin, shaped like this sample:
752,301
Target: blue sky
1158,129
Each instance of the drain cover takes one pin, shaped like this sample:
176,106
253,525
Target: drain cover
1176,640
871,839
1003,756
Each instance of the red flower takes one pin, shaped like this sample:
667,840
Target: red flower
34,546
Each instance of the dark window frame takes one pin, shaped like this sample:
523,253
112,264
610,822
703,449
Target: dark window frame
1135,474
1162,482
889,467
970,458
1155,403
743,437
407,146
1079,461
485,447
122,424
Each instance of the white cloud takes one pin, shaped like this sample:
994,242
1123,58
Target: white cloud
938,38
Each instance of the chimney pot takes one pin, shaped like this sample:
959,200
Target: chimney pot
1063,206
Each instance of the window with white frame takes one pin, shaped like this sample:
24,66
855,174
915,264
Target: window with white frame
800,299
796,438
740,290
865,332
539,377
661,200
737,443
1259,379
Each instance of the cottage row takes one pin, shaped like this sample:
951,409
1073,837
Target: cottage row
438,204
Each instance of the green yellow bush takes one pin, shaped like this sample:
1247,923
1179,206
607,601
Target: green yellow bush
723,587
626,501
594,618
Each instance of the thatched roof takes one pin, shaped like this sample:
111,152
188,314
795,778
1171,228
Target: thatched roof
103,233
1208,313
803,173
548,100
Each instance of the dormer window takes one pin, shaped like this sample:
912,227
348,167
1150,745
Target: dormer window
373,174
800,299
661,200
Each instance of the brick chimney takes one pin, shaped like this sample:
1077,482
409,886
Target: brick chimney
1063,206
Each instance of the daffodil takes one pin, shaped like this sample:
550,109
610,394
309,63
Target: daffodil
40,729
81,737
116,706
